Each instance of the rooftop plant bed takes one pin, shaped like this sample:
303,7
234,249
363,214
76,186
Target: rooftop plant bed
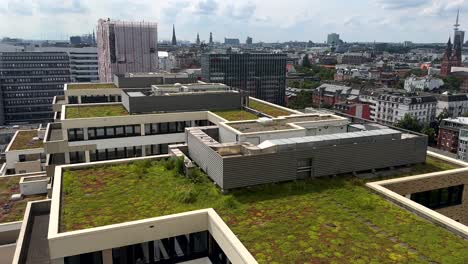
236,115
268,109
91,86
13,211
95,111
316,221
25,140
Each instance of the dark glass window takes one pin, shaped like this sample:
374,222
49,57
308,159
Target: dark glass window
75,134
89,258
439,198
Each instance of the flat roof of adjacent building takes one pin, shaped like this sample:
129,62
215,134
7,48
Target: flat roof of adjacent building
269,109
26,139
89,111
11,211
321,220
77,86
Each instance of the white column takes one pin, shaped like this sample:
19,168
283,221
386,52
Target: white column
79,99
57,261
142,129
143,151
67,157
85,133
87,156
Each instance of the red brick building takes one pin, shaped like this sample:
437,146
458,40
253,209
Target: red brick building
449,131
355,109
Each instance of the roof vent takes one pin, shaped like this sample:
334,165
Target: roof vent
265,121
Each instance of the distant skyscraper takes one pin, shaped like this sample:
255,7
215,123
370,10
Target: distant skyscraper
174,39
453,53
231,41
126,47
333,39
211,38
198,39
249,41
262,75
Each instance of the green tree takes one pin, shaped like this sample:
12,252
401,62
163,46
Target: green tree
302,100
306,61
465,114
295,84
431,134
417,72
409,123
452,83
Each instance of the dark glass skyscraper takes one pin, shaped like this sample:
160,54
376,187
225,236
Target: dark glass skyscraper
28,82
261,75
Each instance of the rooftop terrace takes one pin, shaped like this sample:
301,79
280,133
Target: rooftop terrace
77,86
322,220
25,139
90,111
11,211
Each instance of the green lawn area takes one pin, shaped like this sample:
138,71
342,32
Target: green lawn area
95,111
9,186
316,221
90,86
236,115
267,109
24,140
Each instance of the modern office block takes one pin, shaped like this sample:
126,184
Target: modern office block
261,75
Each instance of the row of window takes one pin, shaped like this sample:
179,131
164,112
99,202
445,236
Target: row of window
13,110
40,58
440,198
32,87
115,153
34,65
31,94
30,80
34,72
77,134
27,102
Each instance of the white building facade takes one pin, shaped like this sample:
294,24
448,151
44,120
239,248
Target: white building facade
413,83
391,108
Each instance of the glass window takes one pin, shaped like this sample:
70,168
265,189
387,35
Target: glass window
119,131
163,128
100,132
110,132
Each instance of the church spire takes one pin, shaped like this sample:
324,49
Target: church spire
457,24
174,39
211,38
198,39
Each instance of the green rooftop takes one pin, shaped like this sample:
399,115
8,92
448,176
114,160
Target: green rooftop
13,211
268,109
317,221
26,140
95,111
235,115
77,86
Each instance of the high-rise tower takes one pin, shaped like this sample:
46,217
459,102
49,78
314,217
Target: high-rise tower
211,38
174,39
198,39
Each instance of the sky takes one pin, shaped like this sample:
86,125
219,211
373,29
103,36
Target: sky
264,20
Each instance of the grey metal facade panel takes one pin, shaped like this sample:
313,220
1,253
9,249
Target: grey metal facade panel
180,103
206,158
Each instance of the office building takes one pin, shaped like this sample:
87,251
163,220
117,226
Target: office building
126,47
334,39
231,41
249,41
112,153
29,81
261,75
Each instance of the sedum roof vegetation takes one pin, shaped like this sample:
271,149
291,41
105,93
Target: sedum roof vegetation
95,111
26,140
268,109
235,115
13,211
90,86
312,221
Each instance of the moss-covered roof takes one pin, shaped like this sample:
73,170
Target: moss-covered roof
77,86
317,221
26,140
268,109
95,111
235,115
11,211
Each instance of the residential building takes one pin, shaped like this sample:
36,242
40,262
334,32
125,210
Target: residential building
392,107
28,82
358,110
449,132
261,75
331,94
426,83
126,47
232,41
462,145
454,105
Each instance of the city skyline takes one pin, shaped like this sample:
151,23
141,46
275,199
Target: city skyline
366,21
